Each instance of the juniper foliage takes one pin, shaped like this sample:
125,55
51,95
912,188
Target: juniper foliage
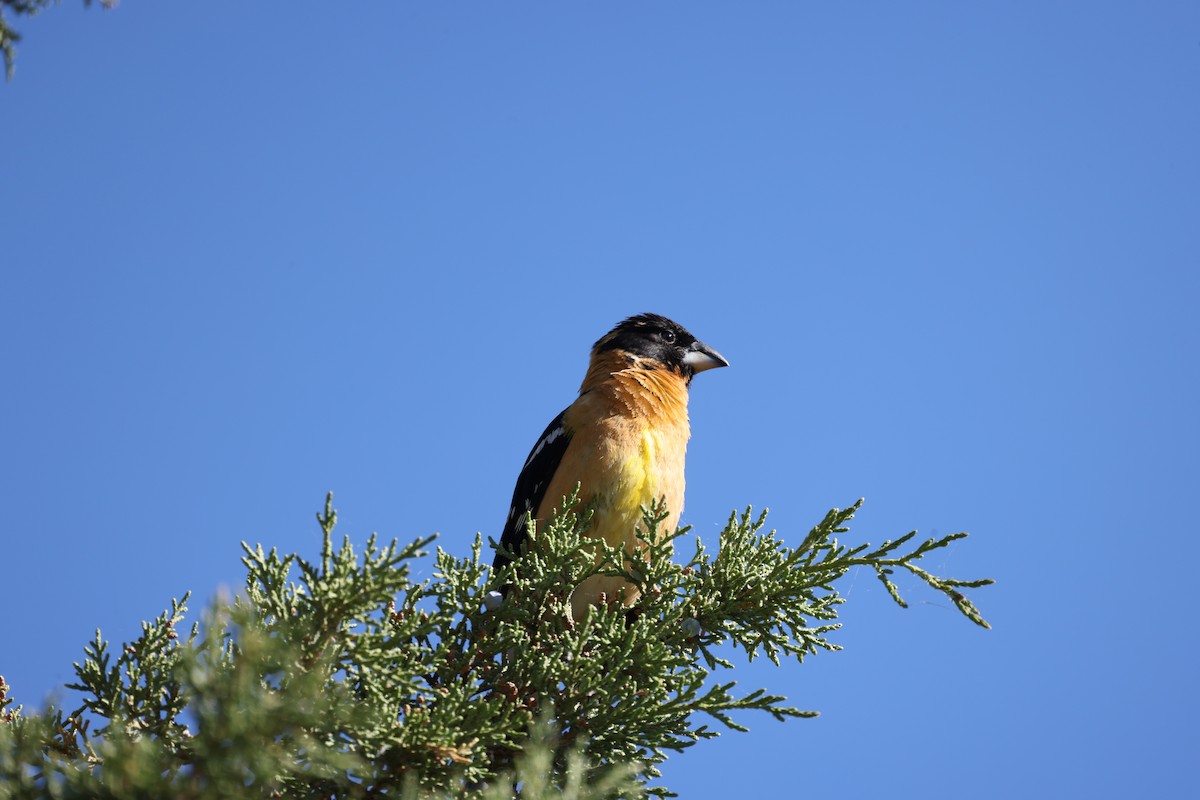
347,678
9,37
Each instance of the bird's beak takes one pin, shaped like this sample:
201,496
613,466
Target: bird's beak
700,357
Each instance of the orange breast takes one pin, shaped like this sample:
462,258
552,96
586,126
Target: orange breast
627,450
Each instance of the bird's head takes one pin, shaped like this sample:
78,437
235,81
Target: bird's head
651,336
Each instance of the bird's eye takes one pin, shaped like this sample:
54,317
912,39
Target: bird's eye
668,337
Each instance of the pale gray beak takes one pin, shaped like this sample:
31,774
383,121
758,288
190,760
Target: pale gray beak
700,357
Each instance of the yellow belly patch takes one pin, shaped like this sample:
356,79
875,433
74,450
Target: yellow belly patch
636,486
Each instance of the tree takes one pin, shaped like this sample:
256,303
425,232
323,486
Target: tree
9,37
346,679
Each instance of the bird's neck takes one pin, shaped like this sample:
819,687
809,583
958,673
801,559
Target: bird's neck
646,387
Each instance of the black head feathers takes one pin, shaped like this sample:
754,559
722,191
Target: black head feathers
656,337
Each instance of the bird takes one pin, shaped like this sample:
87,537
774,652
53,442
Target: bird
623,441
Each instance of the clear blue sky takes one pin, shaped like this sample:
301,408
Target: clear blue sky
254,252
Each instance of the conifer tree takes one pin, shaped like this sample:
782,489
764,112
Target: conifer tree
346,678
9,36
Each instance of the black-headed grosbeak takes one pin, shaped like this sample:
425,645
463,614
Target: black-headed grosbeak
623,441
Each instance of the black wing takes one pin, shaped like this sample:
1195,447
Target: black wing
535,476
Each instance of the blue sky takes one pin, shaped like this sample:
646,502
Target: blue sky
254,253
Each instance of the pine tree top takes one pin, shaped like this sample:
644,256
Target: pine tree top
346,678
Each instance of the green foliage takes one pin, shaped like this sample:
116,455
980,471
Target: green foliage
9,37
347,678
